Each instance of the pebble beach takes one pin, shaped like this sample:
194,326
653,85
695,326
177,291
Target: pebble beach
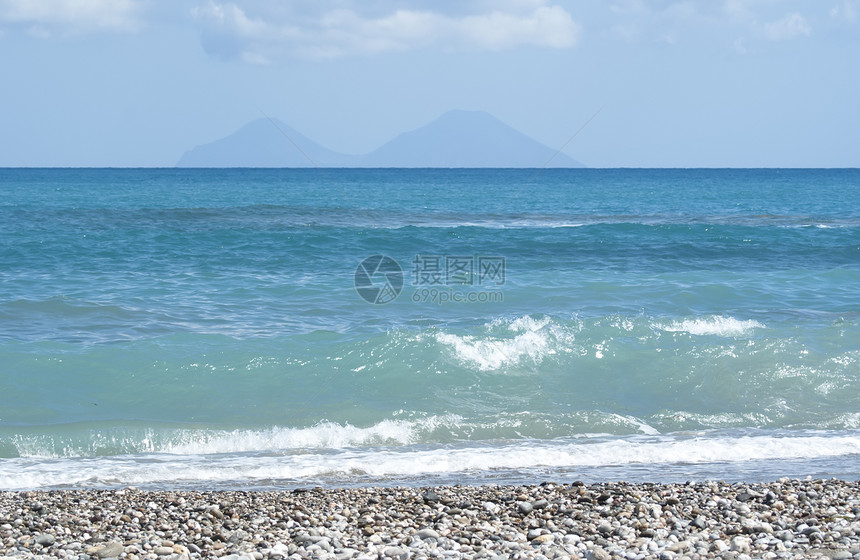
783,519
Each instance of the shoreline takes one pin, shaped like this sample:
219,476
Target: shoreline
782,519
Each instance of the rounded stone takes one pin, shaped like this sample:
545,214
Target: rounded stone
525,508
45,539
427,534
111,550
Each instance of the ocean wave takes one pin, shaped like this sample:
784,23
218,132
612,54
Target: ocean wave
714,325
109,441
364,466
507,342
402,429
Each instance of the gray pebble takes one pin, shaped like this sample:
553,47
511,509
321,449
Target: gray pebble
430,496
427,534
45,539
525,508
110,550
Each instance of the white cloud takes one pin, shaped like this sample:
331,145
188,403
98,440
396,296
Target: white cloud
737,24
43,17
547,26
262,32
790,26
844,11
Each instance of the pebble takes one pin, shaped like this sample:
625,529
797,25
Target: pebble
787,519
427,534
45,539
525,508
110,550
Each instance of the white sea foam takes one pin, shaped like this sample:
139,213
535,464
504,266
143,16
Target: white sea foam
351,464
324,435
534,339
639,424
493,353
713,325
850,420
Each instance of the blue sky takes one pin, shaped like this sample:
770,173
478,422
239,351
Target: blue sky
696,83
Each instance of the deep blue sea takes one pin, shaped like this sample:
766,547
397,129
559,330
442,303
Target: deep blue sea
248,328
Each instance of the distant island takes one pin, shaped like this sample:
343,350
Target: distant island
455,139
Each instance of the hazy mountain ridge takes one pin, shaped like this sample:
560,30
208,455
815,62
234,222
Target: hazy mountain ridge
455,139
264,143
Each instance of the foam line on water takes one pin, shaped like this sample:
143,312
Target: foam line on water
377,464
714,325
324,435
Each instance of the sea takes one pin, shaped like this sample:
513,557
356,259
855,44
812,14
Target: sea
212,329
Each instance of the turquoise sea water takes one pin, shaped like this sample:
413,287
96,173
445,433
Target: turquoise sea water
202,328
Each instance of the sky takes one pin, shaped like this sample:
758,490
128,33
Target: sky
657,83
